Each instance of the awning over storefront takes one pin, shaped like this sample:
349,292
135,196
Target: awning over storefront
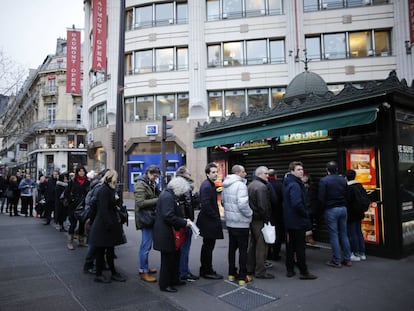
327,121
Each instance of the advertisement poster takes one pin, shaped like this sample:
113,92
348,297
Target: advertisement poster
369,225
221,168
362,161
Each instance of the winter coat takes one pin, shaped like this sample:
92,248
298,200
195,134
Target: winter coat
332,191
77,192
237,211
295,207
259,200
106,230
208,220
354,213
50,193
146,197
169,216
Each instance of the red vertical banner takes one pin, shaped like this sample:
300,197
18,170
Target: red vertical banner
73,62
411,19
99,33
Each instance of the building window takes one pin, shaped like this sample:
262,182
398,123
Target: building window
98,115
154,107
164,59
51,113
233,54
335,45
80,139
78,115
277,51
71,141
313,48
50,140
143,61
51,85
183,106
316,5
256,52
349,45
164,14
165,106
236,102
252,52
159,14
215,103
161,59
229,9
257,99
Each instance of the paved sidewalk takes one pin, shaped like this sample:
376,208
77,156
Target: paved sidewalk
37,272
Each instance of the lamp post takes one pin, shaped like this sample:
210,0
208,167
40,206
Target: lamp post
119,125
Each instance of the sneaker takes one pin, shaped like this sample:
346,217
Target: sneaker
333,264
231,278
308,276
189,277
347,263
362,256
355,257
242,283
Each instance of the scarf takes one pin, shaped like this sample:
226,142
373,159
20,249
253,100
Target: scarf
81,180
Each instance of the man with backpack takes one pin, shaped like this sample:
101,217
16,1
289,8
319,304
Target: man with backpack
357,204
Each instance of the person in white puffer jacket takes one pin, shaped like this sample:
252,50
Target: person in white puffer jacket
238,216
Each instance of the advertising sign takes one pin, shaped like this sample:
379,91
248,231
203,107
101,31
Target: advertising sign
99,32
73,62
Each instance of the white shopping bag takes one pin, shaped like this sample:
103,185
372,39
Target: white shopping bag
269,233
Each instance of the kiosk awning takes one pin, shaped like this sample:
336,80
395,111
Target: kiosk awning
328,121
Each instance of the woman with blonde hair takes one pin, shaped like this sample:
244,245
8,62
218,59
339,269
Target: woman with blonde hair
106,229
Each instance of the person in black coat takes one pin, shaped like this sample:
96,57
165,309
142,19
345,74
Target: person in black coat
106,230
50,197
209,222
169,218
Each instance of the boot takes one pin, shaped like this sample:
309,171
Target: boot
70,242
145,276
81,242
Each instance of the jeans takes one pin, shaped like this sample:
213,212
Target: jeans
336,220
185,251
146,244
238,239
356,237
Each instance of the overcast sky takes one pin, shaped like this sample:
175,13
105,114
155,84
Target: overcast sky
29,28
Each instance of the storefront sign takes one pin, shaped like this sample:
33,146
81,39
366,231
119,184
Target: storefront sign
302,137
99,24
406,154
370,226
73,62
362,161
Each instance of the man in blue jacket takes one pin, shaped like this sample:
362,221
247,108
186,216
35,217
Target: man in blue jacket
332,196
297,221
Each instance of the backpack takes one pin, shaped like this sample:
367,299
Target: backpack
362,199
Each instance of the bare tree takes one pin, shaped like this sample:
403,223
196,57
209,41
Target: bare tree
12,75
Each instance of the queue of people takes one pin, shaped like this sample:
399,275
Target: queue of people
166,219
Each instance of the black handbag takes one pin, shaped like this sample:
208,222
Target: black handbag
146,218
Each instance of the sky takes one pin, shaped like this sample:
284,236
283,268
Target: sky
29,28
